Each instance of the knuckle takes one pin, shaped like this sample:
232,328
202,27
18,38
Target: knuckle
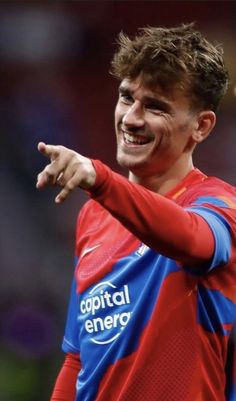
61,182
61,179
74,160
48,172
70,186
60,148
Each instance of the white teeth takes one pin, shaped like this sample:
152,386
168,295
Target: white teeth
134,139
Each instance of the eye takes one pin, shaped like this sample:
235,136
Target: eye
126,98
155,107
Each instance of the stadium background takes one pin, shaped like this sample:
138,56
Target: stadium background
55,87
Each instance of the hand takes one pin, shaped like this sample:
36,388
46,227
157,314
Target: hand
67,169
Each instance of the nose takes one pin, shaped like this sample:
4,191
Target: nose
133,116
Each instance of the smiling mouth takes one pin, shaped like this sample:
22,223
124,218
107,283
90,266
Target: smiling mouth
135,139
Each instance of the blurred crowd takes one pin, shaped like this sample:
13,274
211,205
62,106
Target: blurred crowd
56,87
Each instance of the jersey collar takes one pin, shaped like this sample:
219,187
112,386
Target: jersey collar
193,177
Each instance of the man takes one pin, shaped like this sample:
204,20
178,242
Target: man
152,306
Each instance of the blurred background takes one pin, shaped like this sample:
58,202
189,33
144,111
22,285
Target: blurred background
55,86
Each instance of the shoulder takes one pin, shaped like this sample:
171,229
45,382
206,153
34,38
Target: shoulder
216,185
211,190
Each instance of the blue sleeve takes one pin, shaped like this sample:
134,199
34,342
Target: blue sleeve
221,231
70,341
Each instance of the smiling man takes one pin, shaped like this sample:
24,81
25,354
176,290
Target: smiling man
152,309
157,131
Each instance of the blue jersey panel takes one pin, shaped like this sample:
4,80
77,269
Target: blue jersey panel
114,313
215,310
220,229
70,341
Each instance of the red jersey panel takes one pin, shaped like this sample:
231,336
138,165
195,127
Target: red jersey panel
149,323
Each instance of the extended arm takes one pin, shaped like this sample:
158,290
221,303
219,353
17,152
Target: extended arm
157,221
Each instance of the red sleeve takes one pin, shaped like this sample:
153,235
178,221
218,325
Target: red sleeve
64,389
154,219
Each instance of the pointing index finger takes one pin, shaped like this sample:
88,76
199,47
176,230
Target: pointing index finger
50,151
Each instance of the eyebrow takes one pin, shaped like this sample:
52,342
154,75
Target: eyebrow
159,103
124,90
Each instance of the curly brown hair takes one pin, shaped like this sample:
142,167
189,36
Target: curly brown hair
178,56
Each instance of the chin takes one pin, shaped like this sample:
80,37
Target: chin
131,164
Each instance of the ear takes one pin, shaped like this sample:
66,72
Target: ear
205,123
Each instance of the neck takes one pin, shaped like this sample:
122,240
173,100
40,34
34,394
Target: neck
165,182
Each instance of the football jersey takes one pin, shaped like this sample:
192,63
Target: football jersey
148,327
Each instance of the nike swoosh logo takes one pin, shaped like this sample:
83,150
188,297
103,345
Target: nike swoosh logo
88,250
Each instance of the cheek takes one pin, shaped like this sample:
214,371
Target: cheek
163,133
167,143
118,114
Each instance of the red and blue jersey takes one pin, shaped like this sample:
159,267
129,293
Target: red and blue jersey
149,326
